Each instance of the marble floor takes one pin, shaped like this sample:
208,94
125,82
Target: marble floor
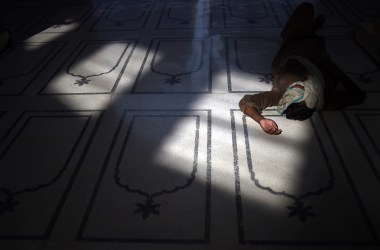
120,129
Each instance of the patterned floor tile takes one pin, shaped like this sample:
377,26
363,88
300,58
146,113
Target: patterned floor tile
120,129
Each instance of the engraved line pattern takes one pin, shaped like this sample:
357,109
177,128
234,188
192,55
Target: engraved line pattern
174,76
149,207
299,210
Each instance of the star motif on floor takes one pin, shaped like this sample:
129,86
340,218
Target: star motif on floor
8,204
82,81
301,211
251,21
147,208
267,78
173,80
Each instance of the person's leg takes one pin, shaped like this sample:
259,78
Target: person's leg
351,94
300,23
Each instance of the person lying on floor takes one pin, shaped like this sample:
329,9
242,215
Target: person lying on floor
305,78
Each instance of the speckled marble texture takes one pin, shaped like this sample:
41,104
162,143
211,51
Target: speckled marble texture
120,129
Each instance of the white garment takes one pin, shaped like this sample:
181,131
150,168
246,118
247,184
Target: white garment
291,95
313,88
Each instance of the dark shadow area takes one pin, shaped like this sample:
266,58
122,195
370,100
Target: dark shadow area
118,209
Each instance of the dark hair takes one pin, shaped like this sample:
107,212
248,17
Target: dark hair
298,111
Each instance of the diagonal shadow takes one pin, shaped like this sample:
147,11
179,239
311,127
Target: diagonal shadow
199,212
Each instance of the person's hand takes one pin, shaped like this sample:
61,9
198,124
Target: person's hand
269,126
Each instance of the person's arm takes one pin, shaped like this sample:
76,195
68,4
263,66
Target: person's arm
267,125
337,73
352,94
251,105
